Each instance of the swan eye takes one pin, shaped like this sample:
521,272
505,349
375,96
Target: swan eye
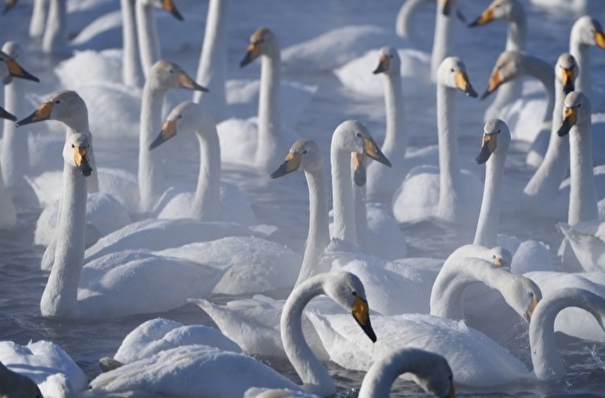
359,135
531,294
579,105
493,256
354,293
304,152
58,101
72,145
179,116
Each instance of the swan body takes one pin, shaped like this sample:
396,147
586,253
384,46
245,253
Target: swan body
169,368
446,193
44,363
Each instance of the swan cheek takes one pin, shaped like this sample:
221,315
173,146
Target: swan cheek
530,309
361,313
17,71
599,39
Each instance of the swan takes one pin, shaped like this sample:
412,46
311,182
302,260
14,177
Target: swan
42,366
514,14
585,33
451,195
15,384
171,367
110,286
430,371
520,114
54,39
213,200
163,76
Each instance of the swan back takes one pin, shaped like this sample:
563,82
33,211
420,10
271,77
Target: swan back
452,74
430,371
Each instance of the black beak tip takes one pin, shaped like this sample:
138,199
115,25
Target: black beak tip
471,93
177,14
485,94
474,23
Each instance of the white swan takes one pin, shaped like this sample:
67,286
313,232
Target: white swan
163,76
110,286
171,367
213,200
430,371
54,39
513,13
585,33
447,193
16,385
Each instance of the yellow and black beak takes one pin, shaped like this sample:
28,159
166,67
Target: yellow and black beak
168,131
252,52
186,82
383,64
9,4
488,146
530,309
16,70
493,84
42,113
568,80
446,7
358,161
599,39
499,262
361,313
464,84
371,150
292,163
570,117
168,6
6,115
81,160
486,17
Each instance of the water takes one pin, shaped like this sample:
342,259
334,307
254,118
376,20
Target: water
22,283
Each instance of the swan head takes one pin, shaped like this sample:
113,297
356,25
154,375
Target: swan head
496,137
347,290
65,106
576,110
165,75
304,155
504,10
166,5
4,114
508,66
501,257
521,293
452,74
186,117
389,62
9,67
262,41
588,31
352,136
566,71
75,153
431,372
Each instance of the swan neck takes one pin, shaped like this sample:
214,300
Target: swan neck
395,139
443,39
14,157
269,117
544,72
38,19
489,217
61,293
206,202
582,196
342,195
131,68
55,33
213,61
581,52
516,37
314,376
147,34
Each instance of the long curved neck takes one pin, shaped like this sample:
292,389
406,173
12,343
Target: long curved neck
581,52
544,353
213,61
55,34
342,196
449,168
314,376
582,196
395,140
38,19
14,157
150,167
149,45
406,16
489,216
60,296
206,202
269,116
131,67
319,232
516,37
443,39
361,217
544,72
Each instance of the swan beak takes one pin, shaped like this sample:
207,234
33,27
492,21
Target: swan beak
371,149
6,115
168,6
252,52
40,114
446,7
530,309
599,39
383,65
463,83
291,164
499,262
568,80
452,393
81,160
361,313
168,131
485,17
570,116
9,4
494,83
16,70
359,168
488,146
186,82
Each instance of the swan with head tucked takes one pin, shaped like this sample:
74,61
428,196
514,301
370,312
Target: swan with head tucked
171,367
445,193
